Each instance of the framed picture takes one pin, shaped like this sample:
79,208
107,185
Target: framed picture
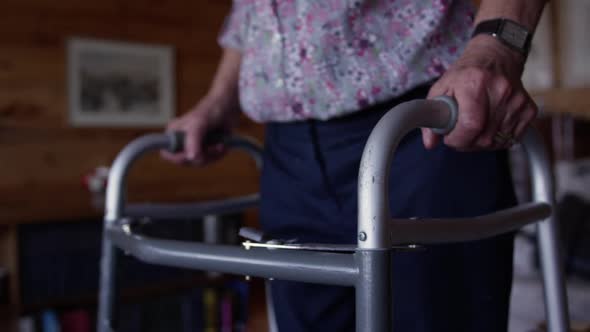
119,84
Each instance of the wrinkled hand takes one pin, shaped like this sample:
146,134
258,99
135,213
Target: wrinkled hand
494,107
207,116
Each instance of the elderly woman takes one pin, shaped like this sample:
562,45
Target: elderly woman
320,74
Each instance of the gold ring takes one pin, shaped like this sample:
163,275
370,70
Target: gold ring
502,138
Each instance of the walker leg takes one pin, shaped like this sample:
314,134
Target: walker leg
373,290
104,321
556,306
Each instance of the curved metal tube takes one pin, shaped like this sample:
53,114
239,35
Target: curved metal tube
115,195
373,191
114,209
304,266
115,205
376,232
431,231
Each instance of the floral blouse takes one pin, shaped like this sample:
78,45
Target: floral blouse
320,59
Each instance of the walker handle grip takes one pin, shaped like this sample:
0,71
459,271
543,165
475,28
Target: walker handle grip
177,139
453,116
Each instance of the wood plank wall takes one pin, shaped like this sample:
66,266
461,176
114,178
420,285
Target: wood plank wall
43,159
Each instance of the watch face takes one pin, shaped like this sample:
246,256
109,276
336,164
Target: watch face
514,34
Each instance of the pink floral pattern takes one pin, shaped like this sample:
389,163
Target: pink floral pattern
319,59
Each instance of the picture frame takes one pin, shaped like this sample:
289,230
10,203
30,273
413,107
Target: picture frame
119,84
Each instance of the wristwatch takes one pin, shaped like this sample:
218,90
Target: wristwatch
510,33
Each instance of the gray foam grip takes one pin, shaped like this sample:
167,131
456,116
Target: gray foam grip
454,115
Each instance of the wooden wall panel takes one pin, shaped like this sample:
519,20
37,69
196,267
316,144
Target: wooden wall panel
43,160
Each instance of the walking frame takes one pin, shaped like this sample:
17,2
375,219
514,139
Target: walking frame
366,266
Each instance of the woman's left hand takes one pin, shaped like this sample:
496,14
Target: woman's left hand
494,107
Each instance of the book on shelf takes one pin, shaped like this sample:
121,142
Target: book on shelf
50,321
202,309
77,320
27,324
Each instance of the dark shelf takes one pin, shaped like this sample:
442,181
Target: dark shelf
129,295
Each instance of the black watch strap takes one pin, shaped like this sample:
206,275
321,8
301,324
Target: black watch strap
510,33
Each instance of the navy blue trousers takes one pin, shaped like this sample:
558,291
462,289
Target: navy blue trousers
309,192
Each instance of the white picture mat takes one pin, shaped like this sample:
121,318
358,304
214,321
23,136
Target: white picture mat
139,64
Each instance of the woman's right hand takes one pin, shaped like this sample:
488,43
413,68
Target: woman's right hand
210,114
